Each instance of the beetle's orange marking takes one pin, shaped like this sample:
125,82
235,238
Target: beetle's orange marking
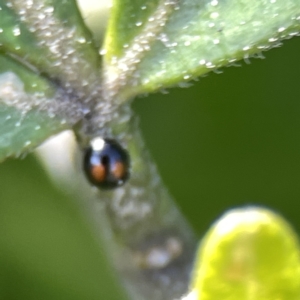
118,170
98,173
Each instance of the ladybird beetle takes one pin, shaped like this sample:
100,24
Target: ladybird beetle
106,163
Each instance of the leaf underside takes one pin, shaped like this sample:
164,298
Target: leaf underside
48,64
150,44
156,44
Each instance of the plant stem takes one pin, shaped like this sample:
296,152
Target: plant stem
153,245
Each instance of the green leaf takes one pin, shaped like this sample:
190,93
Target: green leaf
50,36
155,44
248,254
28,109
49,72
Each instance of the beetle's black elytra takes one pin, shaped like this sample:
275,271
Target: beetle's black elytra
106,163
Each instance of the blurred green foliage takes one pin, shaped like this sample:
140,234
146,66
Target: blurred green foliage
47,249
229,140
249,253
